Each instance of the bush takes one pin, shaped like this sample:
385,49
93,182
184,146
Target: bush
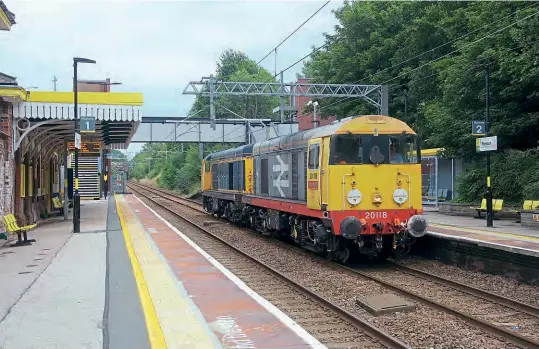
514,176
531,191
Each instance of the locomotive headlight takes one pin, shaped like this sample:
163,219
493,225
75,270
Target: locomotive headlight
354,197
377,198
400,196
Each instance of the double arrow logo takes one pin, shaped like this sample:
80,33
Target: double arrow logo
280,183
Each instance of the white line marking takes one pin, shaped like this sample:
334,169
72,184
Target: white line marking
454,237
291,324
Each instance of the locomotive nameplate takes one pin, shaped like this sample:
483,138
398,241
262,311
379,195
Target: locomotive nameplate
312,185
376,214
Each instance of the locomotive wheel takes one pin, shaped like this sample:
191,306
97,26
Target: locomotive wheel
342,256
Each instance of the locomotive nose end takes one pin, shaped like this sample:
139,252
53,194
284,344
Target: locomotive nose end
417,226
351,227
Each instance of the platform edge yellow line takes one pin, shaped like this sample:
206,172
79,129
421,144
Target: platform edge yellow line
155,333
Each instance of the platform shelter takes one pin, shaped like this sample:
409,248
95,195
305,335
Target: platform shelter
438,176
39,127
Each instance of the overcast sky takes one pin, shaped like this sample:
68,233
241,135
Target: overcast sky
153,47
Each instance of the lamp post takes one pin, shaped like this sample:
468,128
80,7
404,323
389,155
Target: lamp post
487,134
76,196
314,104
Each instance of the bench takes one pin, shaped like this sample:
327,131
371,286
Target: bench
58,205
497,205
527,206
443,195
12,227
530,205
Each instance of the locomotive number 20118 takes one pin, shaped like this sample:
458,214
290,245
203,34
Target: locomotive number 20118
376,214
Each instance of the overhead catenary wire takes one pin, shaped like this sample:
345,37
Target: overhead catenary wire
187,117
443,56
290,35
442,45
464,46
398,64
514,47
293,32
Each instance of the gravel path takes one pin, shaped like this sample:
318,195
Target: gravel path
423,328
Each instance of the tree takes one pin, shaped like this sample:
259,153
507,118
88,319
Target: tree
236,66
436,53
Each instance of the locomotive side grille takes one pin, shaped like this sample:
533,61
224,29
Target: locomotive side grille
295,175
255,175
214,176
242,175
264,174
305,171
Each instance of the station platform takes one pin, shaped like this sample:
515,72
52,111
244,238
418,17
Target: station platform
504,235
130,280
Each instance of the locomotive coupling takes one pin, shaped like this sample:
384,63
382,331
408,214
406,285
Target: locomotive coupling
417,226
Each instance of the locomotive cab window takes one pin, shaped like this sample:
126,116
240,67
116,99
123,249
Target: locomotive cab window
403,149
346,149
314,151
354,149
207,166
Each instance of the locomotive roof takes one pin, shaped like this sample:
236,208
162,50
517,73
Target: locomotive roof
367,124
241,151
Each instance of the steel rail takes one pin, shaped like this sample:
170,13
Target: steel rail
363,325
514,338
489,296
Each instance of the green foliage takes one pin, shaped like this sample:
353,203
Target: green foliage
177,170
236,66
436,54
395,43
531,191
514,174
189,174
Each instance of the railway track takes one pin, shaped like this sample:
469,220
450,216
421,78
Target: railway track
329,323
500,310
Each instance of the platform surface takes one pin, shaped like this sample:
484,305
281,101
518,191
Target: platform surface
505,235
57,292
129,280
216,308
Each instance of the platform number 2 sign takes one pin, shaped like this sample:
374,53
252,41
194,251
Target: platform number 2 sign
87,124
478,128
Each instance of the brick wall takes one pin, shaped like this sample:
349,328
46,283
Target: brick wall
469,210
530,219
305,121
7,162
457,210
94,86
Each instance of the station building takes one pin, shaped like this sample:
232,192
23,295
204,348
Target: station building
7,18
37,143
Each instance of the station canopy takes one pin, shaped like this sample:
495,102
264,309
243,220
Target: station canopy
116,115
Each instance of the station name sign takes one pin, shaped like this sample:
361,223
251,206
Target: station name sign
487,143
86,147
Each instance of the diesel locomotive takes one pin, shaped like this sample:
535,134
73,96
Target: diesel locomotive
353,186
